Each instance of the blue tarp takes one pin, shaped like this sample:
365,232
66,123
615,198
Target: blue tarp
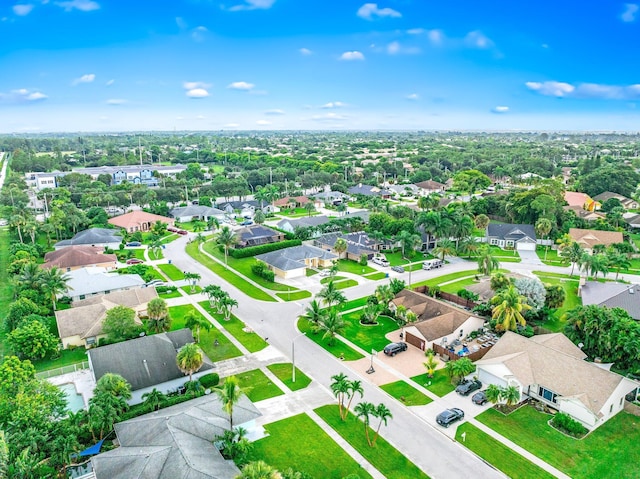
95,449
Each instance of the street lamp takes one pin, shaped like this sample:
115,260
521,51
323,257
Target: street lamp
293,357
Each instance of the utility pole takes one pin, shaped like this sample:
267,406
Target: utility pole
186,193
270,175
140,151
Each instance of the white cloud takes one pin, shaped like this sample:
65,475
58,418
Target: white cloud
82,5
110,82
477,39
333,104
370,10
88,78
197,93
394,48
263,122
198,34
630,12
436,37
355,55
598,91
190,85
241,85
200,117
22,9
305,51
182,25
22,95
500,109
551,88
274,112
116,101
253,5
416,31
413,97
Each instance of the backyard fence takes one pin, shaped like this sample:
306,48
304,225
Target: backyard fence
452,298
454,356
72,368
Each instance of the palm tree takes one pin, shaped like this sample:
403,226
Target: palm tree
155,247
370,313
229,394
30,276
354,387
508,309
384,294
227,303
445,248
499,281
154,399
314,313
259,217
226,238
332,325
340,389
481,221
383,413
214,293
618,261
258,470
487,263
195,322
331,295
468,246
493,393
54,281
408,242
564,241
193,278
309,206
113,384
596,263
189,359
510,395
543,228
431,363
459,369
158,313
574,253
365,410
340,246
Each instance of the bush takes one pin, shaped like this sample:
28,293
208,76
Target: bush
260,269
568,425
166,289
264,248
210,380
526,331
466,294
364,259
483,309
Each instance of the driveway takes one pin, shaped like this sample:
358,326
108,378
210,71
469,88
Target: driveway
530,257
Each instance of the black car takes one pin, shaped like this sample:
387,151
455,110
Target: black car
479,398
397,269
449,416
467,387
134,243
393,348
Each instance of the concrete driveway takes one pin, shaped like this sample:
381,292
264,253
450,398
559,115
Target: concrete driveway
530,257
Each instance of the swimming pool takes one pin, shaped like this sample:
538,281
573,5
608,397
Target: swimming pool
74,400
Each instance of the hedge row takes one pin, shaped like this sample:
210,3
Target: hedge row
263,248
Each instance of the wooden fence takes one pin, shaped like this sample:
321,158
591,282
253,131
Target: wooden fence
454,357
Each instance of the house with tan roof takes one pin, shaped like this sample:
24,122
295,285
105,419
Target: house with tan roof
427,187
139,221
590,238
553,370
627,203
585,214
583,200
438,322
82,324
291,202
74,257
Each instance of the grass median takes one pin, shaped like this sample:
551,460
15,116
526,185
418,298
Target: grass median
406,394
284,371
248,338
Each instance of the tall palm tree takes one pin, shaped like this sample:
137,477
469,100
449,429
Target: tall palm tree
258,470
445,248
30,276
384,294
227,303
431,363
259,217
574,253
383,413
340,246
158,312
354,387
508,308
543,228
195,322
309,206
618,261
190,359
340,386
481,221
331,295
214,293
193,278
154,399
332,325
229,394
596,263
468,246
487,263
408,242
365,410
54,281
226,238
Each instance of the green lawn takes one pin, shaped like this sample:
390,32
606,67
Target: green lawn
396,259
498,455
348,266
447,277
610,451
368,337
294,295
347,283
556,323
553,259
227,274
312,451
329,278
377,275
295,212
188,290
138,253
384,457
155,254
284,371
170,294
257,386
353,304
225,348
250,340
338,348
6,286
406,394
458,285
154,273
67,357
171,271
440,382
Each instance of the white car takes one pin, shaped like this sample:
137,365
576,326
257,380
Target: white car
379,260
325,272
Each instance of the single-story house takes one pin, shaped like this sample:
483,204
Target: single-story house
291,202
358,244
627,203
175,442
519,237
612,295
584,214
333,198
589,238
290,225
427,187
185,214
368,190
582,200
147,362
553,370
247,207
102,237
404,190
293,262
438,322
139,221
255,235
92,281
82,324
74,257
632,220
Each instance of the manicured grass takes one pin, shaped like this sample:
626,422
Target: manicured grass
294,295
250,340
312,452
347,283
311,272
396,259
295,212
458,285
406,394
556,323
383,456
258,386
67,357
169,295
348,266
283,372
553,258
368,337
353,304
377,275
609,451
440,382
225,348
498,455
138,253
447,277
171,271
338,348
188,290
154,273
227,274
155,254
329,278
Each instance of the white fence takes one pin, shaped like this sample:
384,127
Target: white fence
49,373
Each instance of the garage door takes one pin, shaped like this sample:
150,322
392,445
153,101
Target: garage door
488,378
526,246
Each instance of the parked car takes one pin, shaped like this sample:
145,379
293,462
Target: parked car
479,398
380,261
432,264
467,387
134,243
397,269
449,416
325,272
393,348
182,232
134,261
246,223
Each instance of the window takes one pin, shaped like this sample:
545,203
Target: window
510,243
546,394
494,241
91,340
621,399
82,296
610,409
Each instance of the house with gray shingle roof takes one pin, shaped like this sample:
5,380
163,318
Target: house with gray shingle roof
103,237
293,262
255,235
519,237
185,214
612,295
358,243
290,225
368,190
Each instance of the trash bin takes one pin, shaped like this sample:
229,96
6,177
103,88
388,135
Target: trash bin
169,261
386,275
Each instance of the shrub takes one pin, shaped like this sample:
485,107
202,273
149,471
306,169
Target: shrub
483,309
209,380
166,289
466,294
364,259
260,269
264,248
526,331
568,425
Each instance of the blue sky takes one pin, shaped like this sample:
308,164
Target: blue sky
114,65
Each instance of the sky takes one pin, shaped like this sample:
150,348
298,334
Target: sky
126,65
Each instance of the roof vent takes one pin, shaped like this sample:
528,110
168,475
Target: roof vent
631,291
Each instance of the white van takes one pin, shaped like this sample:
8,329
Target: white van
432,264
